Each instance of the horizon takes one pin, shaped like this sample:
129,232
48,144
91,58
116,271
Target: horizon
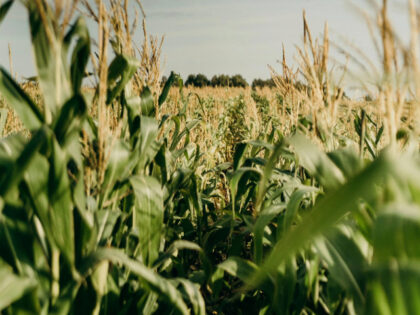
219,37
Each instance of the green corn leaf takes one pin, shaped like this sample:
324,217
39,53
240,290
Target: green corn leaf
174,248
194,295
217,236
120,72
179,179
168,84
17,244
50,193
81,52
346,262
293,205
177,123
107,220
347,160
60,202
184,245
239,268
65,302
379,135
328,211
148,305
148,216
4,8
238,183
239,156
118,168
147,102
317,162
393,288
162,160
67,127
178,137
259,145
27,111
12,287
148,147
394,231
268,171
264,218
14,175
70,119
11,146
284,293
139,105
163,287
51,62
133,105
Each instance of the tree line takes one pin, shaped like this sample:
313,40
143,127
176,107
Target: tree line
223,80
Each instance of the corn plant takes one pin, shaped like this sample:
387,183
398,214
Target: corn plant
124,219
69,247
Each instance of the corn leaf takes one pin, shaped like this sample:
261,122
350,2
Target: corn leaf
51,61
120,71
81,52
168,84
26,109
147,146
60,202
147,104
14,175
317,162
394,288
239,268
118,168
13,287
328,211
4,8
264,218
148,216
394,231
152,280
68,122
50,192
194,295
345,262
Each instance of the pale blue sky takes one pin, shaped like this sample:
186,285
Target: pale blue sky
222,36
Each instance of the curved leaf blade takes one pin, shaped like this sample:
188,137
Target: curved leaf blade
27,111
151,279
13,287
4,8
148,215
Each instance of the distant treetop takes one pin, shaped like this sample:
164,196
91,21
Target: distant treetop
260,83
222,80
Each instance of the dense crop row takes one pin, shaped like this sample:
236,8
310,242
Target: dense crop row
108,204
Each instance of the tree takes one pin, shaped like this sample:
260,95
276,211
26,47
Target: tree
238,81
221,80
199,80
263,83
190,80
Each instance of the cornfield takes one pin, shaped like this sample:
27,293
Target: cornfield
122,196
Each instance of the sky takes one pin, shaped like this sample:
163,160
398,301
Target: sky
224,36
